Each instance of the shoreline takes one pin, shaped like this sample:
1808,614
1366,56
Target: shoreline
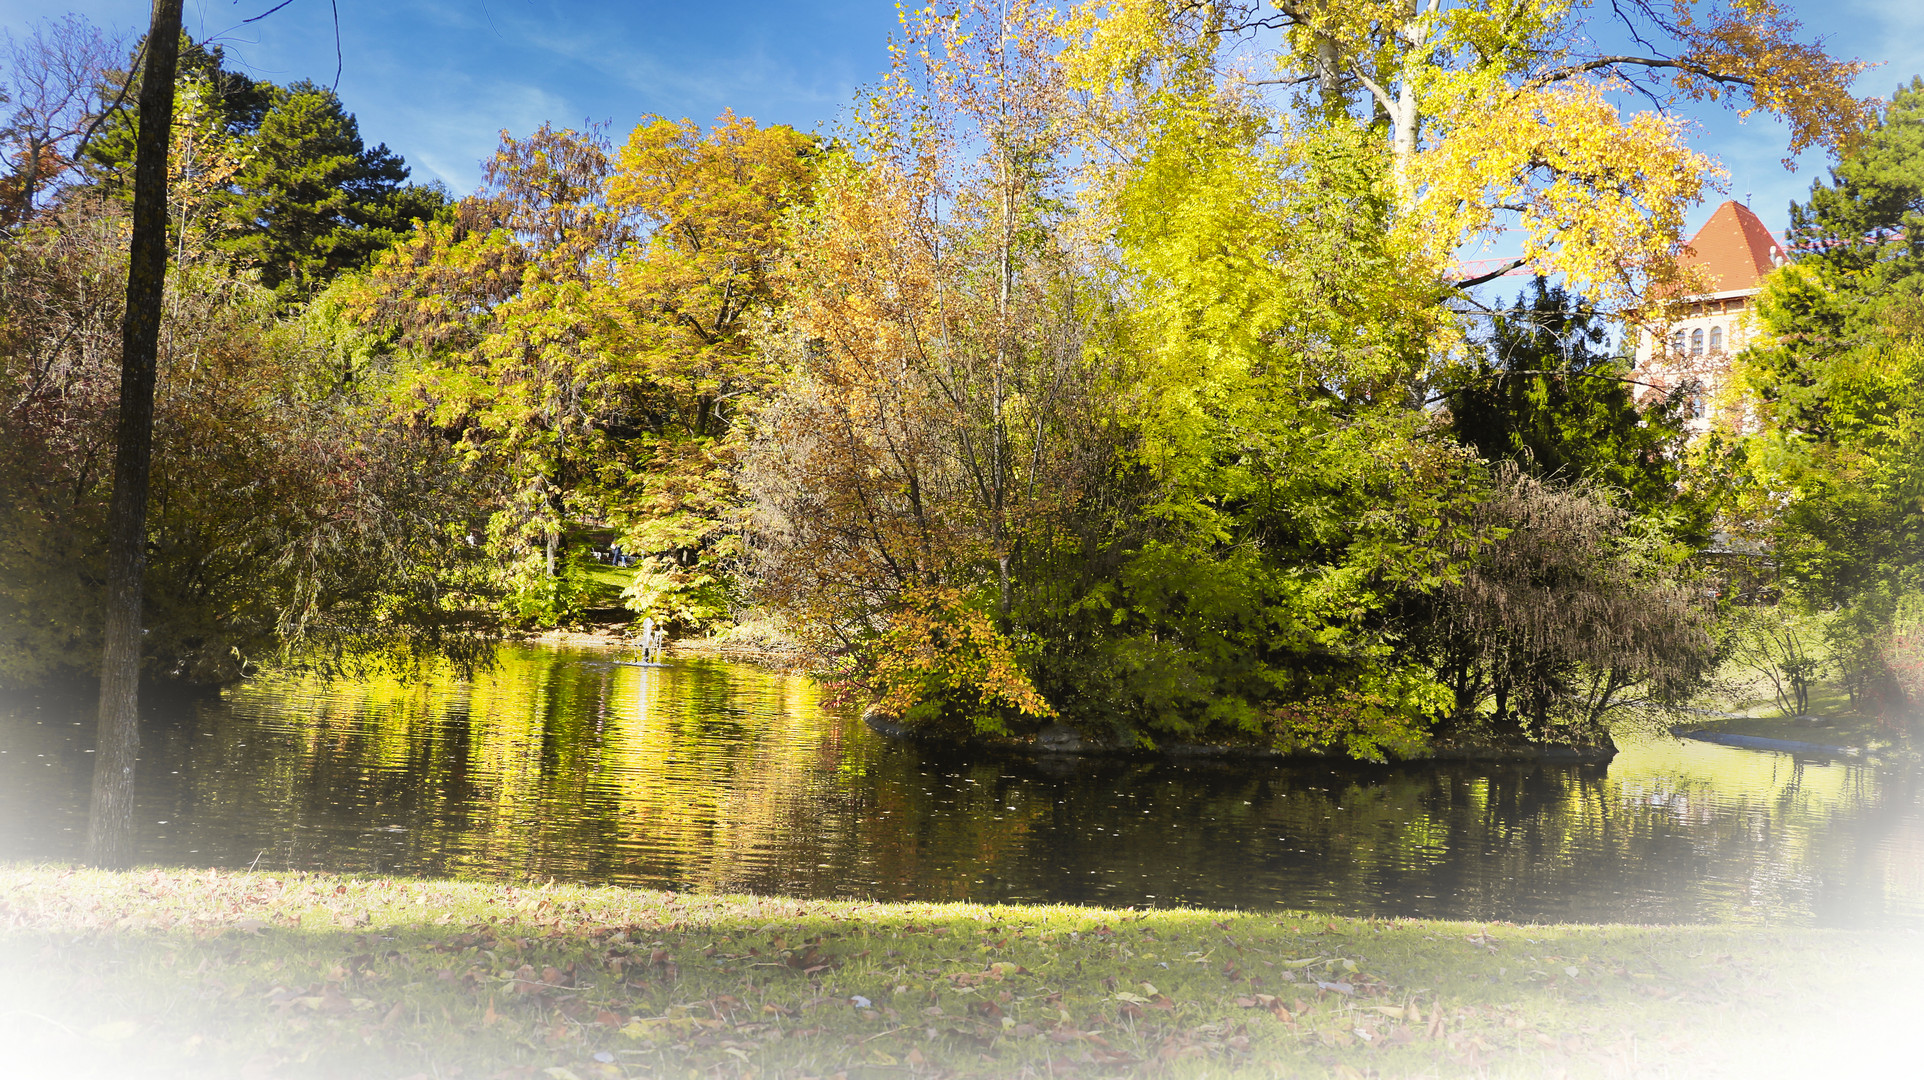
1060,741
617,636
319,975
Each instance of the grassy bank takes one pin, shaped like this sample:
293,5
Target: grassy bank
184,973
1831,720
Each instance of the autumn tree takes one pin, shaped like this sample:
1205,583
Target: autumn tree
581,330
1299,487
690,298
53,77
1170,479
502,303
289,510
1500,122
940,318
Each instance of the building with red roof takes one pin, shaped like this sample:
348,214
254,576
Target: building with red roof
1733,252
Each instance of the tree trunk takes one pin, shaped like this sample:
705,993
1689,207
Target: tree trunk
110,824
1404,118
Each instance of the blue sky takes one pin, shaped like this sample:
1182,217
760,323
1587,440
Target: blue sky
437,80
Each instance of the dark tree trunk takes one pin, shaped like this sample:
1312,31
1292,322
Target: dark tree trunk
110,824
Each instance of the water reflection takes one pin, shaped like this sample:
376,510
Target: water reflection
723,777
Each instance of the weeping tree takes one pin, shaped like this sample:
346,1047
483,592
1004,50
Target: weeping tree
1568,610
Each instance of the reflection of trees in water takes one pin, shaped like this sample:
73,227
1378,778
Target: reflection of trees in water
715,776
1524,842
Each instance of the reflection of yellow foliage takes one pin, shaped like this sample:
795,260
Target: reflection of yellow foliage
719,777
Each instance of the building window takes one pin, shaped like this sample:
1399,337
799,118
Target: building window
1716,339
1697,342
1676,343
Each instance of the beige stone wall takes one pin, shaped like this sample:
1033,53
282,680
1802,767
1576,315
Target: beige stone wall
1699,346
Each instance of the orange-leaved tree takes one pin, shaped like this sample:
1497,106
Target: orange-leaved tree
942,316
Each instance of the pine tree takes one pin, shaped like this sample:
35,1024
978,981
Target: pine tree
313,200
1864,230
1549,395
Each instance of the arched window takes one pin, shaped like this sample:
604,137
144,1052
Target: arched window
1716,339
1697,342
1676,343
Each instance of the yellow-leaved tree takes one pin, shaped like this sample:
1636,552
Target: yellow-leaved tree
1506,123
712,203
581,327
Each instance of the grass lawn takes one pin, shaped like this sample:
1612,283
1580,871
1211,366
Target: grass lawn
1830,722
1862,732
604,582
195,973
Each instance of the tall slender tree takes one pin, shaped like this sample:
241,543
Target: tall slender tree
110,824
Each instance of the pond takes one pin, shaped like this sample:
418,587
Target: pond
702,775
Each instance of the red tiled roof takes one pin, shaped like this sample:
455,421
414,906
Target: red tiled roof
1734,249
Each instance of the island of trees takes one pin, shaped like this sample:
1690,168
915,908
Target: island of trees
1110,369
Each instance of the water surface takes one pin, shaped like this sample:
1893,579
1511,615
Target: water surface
724,777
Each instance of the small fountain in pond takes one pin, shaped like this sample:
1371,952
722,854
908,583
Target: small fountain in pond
652,640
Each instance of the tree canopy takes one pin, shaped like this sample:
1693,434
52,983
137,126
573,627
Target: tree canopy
1498,120
1106,368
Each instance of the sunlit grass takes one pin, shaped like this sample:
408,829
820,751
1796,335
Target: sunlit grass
1833,720
602,582
196,973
